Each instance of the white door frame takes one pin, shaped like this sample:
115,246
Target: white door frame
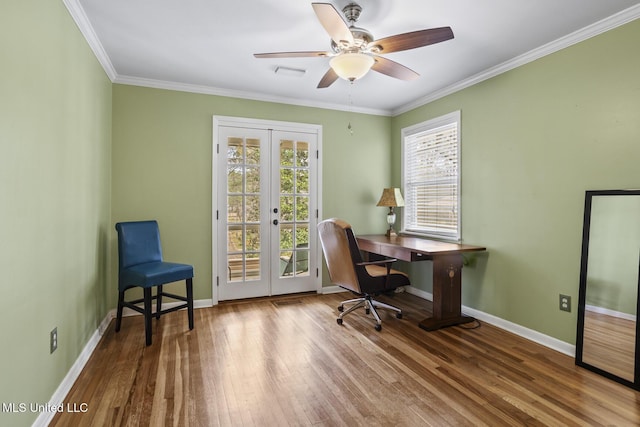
215,190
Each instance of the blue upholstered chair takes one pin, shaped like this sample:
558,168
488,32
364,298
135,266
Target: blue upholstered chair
140,264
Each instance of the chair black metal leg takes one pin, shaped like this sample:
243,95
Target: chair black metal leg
190,302
147,314
119,312
159,302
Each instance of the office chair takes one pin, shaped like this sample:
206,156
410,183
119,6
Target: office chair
140,264
349,271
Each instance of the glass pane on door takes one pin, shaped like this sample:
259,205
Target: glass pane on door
243,209
294,208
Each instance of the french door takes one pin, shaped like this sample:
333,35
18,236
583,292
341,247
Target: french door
266,180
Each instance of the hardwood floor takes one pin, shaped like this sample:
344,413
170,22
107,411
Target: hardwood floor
285,361
609,344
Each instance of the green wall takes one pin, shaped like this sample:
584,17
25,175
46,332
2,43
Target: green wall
162,166
55,174
534,140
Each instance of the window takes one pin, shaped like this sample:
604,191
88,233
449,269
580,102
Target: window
431,177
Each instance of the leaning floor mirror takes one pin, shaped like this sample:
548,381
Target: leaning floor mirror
606,339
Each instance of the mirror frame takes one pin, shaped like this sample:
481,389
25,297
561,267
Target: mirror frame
635,384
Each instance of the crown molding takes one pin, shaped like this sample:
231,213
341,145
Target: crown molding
83,23
210,90
604,25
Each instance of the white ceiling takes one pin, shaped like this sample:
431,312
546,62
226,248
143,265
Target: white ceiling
207,46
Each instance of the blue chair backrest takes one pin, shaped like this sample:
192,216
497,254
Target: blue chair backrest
138,243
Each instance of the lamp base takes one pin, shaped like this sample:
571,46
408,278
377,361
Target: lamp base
391,233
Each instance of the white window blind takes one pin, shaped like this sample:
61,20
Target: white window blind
431,178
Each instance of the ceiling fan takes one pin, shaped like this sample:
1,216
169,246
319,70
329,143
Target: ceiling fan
354,51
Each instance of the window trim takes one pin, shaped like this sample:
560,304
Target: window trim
433,125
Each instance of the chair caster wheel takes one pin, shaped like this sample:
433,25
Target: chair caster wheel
378,328
340,308
339,321
398,315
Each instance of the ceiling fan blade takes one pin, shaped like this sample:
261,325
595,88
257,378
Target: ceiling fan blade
413,39
328,79
291,54
393,69
333,23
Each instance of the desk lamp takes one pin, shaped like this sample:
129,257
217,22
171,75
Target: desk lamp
391,197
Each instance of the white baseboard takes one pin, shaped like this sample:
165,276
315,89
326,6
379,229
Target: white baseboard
65,386
332,289
613,313
530,334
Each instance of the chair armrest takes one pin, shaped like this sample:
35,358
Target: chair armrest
388,262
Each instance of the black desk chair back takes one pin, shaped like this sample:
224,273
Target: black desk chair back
141,265
349,271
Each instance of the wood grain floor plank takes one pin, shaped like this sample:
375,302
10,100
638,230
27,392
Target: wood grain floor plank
284,361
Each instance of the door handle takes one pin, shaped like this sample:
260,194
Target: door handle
275,222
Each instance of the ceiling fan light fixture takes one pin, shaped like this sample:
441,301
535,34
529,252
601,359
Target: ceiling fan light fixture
354,51
351,66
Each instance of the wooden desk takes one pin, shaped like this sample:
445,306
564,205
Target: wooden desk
447,271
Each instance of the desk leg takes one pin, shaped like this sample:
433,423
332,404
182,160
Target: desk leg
447,293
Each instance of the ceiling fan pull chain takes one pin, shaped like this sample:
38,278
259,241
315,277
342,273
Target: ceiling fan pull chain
349,127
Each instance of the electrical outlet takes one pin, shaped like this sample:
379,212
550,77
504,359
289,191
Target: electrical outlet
53,340
565,303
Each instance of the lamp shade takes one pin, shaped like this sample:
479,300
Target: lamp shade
351,66
391,197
